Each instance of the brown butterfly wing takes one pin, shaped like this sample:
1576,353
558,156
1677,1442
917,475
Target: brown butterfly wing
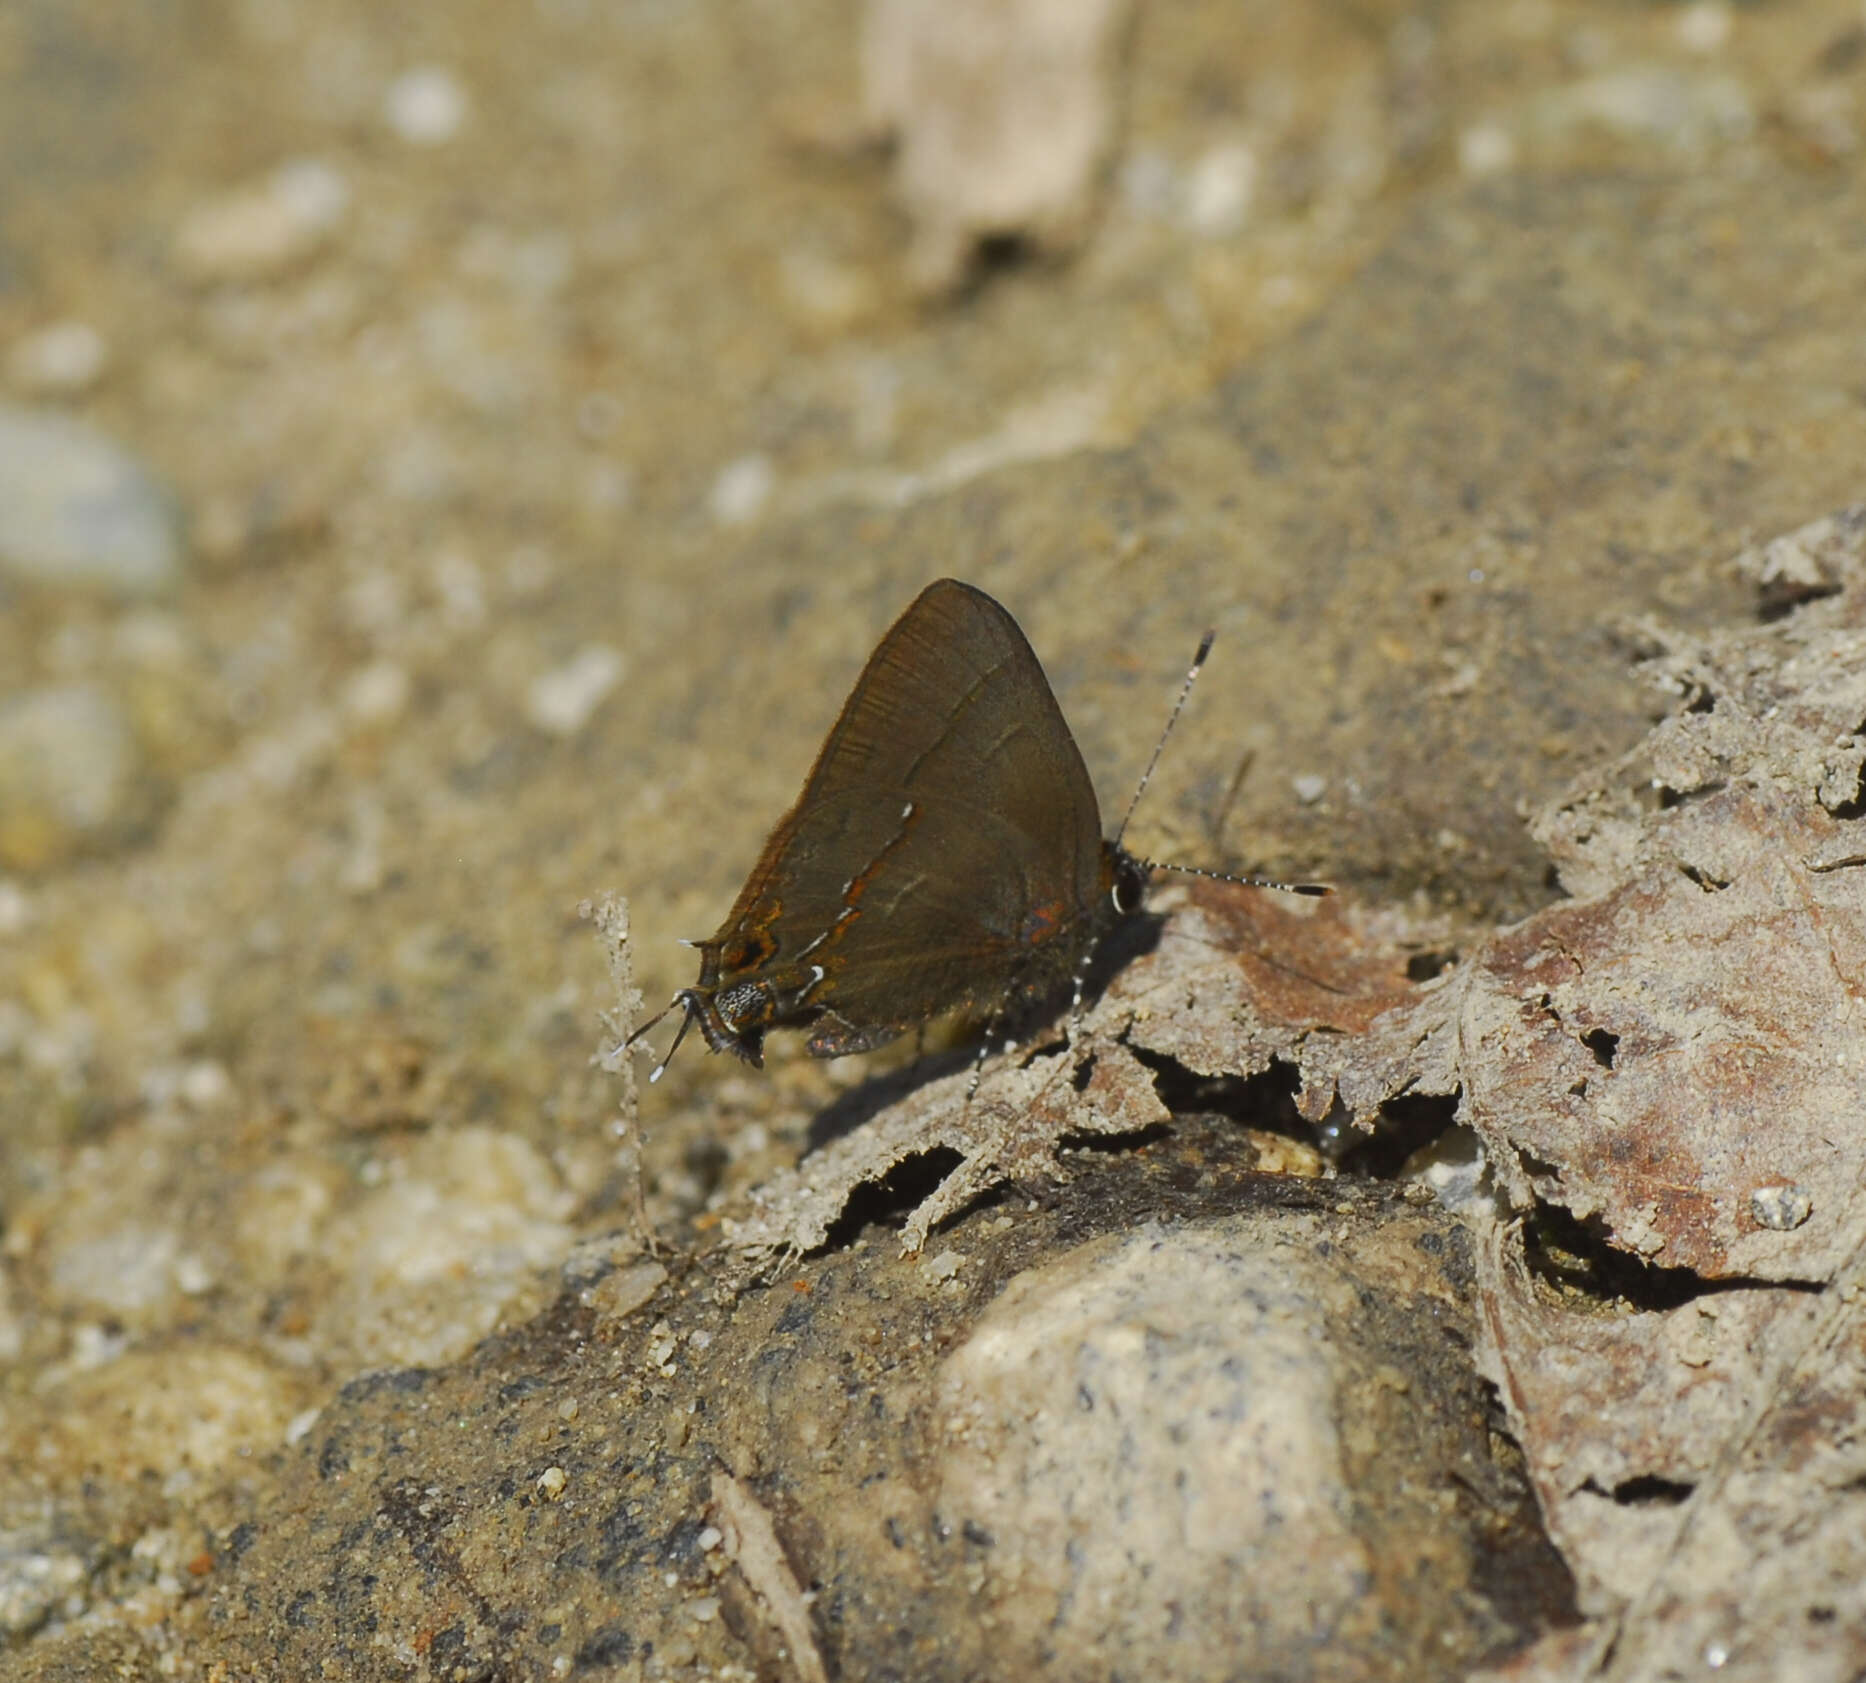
946,850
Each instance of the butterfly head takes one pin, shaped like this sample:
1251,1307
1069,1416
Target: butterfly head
732,1019
1127,879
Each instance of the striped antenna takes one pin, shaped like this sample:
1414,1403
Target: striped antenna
1179,706
1146,777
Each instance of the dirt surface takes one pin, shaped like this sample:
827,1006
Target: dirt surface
453,466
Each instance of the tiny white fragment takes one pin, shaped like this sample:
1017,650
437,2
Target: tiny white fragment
742,489
59,360
562,701
426,106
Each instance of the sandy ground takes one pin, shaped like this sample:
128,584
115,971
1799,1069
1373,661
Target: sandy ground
453,465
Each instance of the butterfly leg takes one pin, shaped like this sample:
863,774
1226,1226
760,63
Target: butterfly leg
1072,1026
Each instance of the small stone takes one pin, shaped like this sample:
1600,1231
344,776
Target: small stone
1220,188
622,1292
426,106
205,1085
1309,788
78,509
67,772
38,1573
551,1483
258,233
15,909
825,295
742,489
1486,149
61,360
1705,26
1780,1208
709,1539
377,694
705,1610
944,1266
562,702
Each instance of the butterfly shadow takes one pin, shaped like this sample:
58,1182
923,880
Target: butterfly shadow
1038,1025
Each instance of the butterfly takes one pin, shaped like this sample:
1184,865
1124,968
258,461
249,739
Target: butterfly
946,853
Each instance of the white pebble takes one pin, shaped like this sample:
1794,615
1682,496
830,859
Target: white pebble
205,1084
15,909
945,1265
1705,26
1219,190
561,702
1486,149
742,489
1309,788
260,232
426,106
60,360
377,693
551,1483
709,1539
316,194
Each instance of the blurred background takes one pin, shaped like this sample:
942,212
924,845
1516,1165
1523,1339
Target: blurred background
453,461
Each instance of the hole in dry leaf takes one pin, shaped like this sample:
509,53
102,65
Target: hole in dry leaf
1648,1490
889,1201
1574,1258
1112,1145
1854,806
1266,1100
1408,1124
1781,602
1603,1044
1667,798
1422,967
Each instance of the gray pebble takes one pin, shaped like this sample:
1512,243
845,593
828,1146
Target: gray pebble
67,772
77,508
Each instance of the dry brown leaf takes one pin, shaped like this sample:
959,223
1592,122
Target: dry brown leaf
1676,1056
